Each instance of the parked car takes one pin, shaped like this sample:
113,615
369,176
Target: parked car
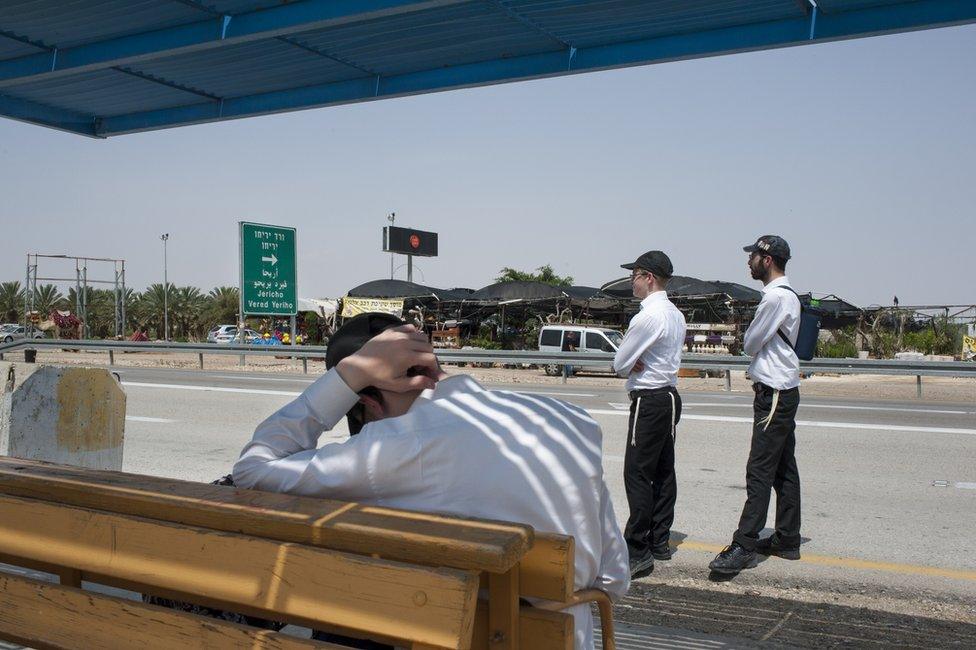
222,334
13,332
227,334
577,338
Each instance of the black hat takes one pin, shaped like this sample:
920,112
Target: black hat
355,332
654,261
770,245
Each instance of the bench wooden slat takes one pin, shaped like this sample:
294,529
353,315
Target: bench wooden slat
503,610
538,629
249,610
44,615
279,580
407,536
548,570
129,585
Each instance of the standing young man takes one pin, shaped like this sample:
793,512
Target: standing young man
649,357
775,369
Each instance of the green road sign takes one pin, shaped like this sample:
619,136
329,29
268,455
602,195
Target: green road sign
268,274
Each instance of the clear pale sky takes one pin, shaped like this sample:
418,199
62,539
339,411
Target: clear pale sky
861,153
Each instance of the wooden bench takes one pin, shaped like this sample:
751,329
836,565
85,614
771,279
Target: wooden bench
391,575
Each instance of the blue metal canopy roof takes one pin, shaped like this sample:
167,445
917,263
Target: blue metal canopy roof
107,67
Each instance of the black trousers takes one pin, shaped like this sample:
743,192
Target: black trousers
649,468
772,464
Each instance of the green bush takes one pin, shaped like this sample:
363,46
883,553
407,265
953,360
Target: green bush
884,344
483,342
939,338
840,345
837,349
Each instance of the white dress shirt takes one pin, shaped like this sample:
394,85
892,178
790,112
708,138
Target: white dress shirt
774,363
461,450
656,337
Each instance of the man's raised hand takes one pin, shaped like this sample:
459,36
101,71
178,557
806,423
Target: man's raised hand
384,360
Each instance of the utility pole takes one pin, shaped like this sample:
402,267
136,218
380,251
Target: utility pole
391,218
165,238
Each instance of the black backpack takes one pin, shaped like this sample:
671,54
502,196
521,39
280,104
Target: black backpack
806,339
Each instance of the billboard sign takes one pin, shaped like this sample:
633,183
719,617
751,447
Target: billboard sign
409,241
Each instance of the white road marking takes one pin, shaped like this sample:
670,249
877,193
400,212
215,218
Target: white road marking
705,418
886,408
141,418
215,389
966,486
844,408
620,406
811,423
542,392
301,381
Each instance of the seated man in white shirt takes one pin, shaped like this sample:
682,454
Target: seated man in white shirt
426,441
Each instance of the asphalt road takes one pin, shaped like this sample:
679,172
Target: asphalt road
889,494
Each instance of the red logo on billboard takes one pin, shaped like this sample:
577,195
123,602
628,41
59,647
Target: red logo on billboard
414,241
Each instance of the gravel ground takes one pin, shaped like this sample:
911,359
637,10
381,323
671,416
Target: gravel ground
834,615
875,387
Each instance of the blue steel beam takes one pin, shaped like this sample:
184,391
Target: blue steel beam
207,34
55,118
921,14
284,39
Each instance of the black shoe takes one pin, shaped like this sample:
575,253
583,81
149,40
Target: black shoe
733,559
661,552
642,565
772,546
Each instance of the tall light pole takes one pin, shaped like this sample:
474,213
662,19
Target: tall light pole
391,218
165,238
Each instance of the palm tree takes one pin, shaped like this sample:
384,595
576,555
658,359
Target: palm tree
149,309
11,301
223,304
72,297
46,299
89,297
130,298
102,313
188,304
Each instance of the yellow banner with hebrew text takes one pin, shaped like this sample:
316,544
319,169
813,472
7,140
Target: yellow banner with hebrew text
355,306
968,347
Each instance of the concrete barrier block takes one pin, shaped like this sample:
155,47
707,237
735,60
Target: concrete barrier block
74,416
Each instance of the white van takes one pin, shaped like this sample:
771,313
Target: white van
577,338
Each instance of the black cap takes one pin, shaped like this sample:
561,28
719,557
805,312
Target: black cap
355,332
770,245
654,261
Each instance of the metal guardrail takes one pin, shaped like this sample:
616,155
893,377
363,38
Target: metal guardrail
471,355
149,346
720,362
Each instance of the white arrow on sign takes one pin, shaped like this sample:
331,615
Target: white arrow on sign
272,259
